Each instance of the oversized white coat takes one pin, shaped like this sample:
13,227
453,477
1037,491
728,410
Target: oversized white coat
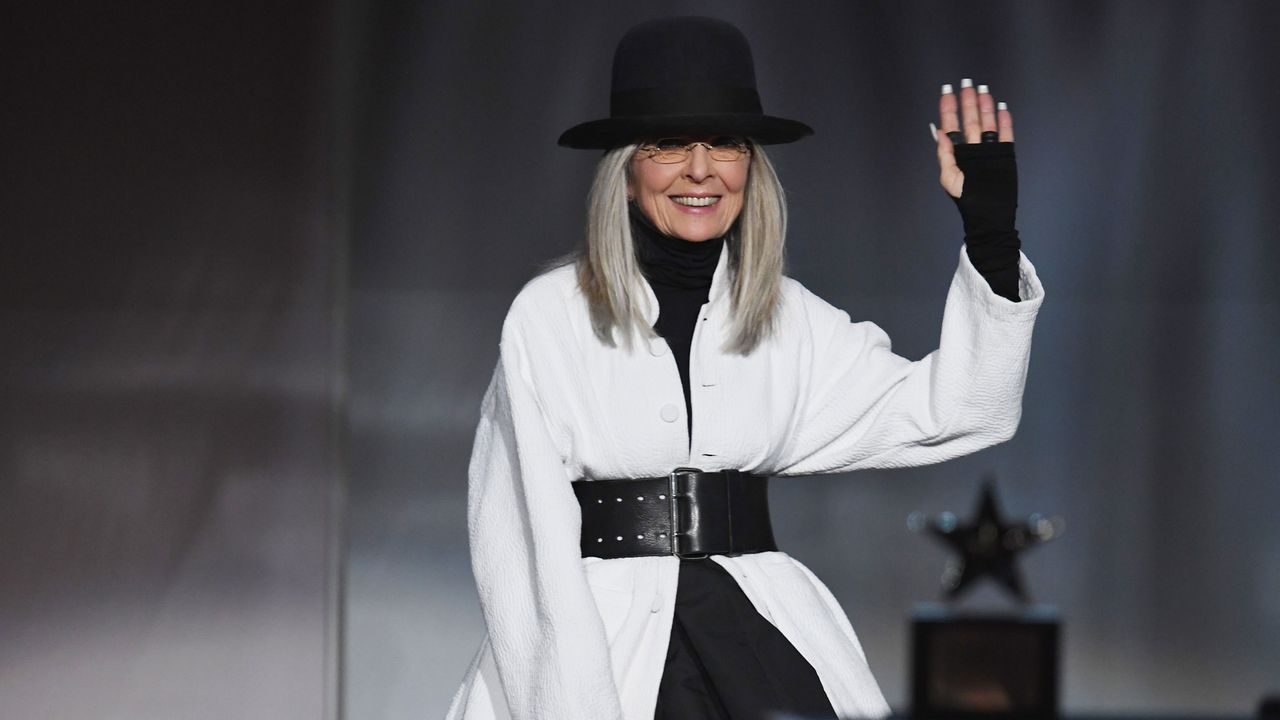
574,638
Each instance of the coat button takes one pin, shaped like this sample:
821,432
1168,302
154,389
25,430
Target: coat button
657,347
670,412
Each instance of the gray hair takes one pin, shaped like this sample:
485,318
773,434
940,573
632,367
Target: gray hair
609,272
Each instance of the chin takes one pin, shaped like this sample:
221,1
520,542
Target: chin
698,234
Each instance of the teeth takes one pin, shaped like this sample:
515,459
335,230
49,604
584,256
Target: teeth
696,201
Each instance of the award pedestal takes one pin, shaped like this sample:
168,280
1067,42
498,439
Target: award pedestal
970,664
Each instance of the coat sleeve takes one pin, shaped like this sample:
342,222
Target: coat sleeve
864,406
523,523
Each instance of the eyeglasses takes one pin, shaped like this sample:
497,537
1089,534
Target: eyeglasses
674,150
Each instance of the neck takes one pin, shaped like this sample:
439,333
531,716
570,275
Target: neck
670,260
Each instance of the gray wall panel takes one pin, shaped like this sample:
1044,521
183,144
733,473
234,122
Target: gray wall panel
167,323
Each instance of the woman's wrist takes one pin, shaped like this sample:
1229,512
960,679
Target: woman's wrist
988,206
988,201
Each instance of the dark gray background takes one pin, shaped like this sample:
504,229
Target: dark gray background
170,328
192,368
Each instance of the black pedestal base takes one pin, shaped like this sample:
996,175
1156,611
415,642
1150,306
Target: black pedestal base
968,665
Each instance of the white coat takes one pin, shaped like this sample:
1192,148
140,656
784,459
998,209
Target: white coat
574,638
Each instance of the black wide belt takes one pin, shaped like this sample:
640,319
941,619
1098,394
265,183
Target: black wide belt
688,513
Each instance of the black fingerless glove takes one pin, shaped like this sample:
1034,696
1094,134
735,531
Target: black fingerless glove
988,205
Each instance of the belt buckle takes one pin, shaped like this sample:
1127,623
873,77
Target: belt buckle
676,530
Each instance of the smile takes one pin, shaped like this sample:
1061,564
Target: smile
692,201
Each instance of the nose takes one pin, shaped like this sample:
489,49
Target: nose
699,165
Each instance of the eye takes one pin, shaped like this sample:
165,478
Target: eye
669,143
728,141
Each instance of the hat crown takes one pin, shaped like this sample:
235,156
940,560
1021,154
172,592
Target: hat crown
683,76
683,52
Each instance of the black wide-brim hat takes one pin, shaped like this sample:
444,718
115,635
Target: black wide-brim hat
683,76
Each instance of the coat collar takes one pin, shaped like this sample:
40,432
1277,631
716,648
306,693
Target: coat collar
719,287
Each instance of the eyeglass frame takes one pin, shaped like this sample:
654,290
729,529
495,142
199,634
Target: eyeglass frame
651,150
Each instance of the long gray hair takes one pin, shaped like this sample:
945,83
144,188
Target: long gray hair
609,273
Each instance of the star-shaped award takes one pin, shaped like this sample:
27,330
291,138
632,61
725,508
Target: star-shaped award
988,546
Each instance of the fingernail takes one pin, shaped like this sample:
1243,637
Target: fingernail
946,89
966,82
933,130
1002,106
982,90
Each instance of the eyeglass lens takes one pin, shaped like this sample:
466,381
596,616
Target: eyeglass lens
673,150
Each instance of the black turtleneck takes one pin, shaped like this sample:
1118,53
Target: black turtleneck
679,271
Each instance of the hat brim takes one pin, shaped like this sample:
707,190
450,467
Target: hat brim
614,132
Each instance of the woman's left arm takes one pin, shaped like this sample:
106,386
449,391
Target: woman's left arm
865,406
868,407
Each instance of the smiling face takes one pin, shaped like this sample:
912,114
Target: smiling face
696,199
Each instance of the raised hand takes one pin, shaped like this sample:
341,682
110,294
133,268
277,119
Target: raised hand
983,121
979,171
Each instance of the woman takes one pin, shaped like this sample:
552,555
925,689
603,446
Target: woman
616,583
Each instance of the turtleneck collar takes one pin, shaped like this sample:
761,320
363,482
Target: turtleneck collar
672,261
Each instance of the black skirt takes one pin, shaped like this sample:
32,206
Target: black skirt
727,662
